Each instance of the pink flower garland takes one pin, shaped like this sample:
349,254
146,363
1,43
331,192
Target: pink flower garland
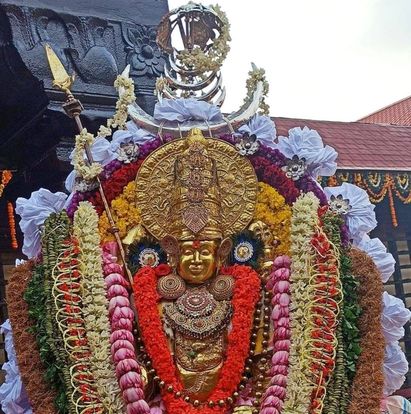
122,340
274,397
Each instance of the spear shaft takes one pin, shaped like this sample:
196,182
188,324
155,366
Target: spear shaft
73,109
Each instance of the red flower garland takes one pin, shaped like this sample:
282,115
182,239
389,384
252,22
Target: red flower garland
325,312
114,185
245,297
275,176
67,294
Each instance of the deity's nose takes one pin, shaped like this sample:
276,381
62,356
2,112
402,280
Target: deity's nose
196,257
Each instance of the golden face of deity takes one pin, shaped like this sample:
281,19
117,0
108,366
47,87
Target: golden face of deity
198,260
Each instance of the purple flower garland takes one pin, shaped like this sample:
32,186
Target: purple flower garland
122,340
307,184
279,282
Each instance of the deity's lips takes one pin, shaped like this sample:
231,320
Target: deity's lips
196,269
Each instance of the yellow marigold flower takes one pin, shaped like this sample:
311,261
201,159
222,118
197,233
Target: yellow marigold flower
125,213
272,209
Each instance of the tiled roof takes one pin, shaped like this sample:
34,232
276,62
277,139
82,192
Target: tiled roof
398,113
360,145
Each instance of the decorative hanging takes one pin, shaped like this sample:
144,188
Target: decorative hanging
6,176
12,226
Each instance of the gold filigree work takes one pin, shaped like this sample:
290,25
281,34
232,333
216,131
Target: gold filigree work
237,185
197,314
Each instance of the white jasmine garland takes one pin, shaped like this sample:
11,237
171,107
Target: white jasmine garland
95,306
82,169
299,384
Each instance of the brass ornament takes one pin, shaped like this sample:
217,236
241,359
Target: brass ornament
197,314
222,287
148,257
171,287
243,251
230,201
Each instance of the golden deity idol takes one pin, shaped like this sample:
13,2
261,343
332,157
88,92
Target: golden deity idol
195,194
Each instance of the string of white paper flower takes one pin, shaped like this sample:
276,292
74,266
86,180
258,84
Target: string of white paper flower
66,291
299,383
95,306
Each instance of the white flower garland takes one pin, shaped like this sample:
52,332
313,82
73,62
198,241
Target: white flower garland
83,170
211,60
125,88
95,306
299,385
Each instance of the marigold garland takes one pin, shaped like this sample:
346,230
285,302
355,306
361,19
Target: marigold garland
245,297
303,224
273,211
6,176
125,213
12,226
66,292
31,368
95,306
367,388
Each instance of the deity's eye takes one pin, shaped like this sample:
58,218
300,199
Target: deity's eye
205,252
187,252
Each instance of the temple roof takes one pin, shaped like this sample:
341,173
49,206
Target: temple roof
398,113
360,145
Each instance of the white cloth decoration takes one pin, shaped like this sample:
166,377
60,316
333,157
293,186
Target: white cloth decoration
132,133
100,150
182,110
19,262
397,405
360,219
307,143
13,396
263,127
378,252
70,181
394,316
395,368
33,213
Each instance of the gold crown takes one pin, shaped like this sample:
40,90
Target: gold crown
195,209
196,188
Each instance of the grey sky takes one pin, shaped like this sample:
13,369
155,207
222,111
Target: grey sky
324,59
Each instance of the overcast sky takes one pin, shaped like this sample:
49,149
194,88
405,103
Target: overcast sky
324,59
